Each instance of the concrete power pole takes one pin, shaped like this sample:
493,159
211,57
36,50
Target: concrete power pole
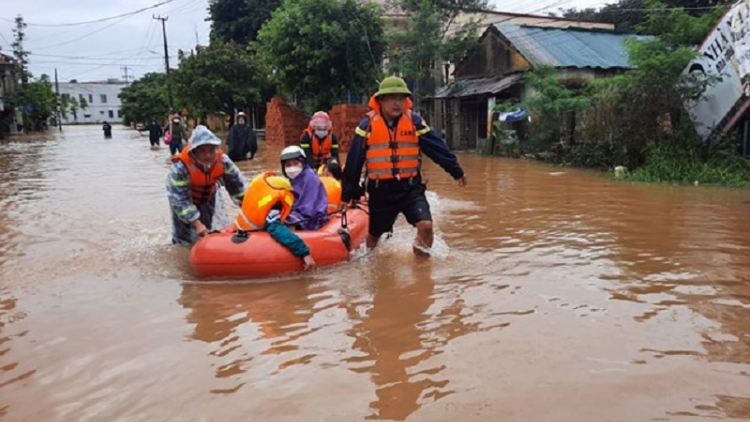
166,59
126,76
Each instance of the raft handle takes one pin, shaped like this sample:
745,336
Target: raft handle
240,236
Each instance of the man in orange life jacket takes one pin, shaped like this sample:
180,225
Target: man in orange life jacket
389,142
193,187
318,141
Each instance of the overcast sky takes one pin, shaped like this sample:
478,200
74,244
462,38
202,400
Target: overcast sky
98,51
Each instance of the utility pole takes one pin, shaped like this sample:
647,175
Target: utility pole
166,58
57,92
125,69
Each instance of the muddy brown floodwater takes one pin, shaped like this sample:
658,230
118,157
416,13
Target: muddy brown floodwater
554,295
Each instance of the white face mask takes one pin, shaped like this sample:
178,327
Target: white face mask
321,133
293,171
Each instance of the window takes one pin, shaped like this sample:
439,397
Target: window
103,97
101,111
88,116
80,99
119,113
111,114
91,99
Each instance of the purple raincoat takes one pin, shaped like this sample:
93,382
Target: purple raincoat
310,209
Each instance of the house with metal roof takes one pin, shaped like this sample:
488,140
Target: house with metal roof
494,72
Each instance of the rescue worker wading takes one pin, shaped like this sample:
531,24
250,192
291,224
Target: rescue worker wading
390,142
193,187
318,141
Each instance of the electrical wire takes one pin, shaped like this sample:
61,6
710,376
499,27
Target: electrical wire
96,20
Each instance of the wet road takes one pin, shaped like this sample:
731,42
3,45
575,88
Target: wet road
554,295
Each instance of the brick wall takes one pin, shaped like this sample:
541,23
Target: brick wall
284,123
345,118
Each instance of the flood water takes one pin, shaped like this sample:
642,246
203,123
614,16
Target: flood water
554,294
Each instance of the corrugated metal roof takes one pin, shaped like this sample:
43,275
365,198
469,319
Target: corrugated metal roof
568,47
477,86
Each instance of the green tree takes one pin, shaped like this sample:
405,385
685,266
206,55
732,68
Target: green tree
239,20
69,104
64,105
19,36
37,102
322,50
430,37
630,15
144,99
634,101
73,106
221,77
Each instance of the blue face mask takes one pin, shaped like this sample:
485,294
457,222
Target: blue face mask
321,133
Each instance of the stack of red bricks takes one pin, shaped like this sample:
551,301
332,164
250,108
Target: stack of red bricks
284,123
345,118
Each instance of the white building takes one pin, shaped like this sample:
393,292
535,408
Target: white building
101,98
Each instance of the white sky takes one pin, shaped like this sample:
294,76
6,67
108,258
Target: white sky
97,51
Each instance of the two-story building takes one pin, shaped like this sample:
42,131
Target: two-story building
101,100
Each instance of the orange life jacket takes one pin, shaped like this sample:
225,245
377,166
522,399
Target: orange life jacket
333,189
264,192
203,184
321,148
392,154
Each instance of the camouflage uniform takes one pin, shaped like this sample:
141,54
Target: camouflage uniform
184,211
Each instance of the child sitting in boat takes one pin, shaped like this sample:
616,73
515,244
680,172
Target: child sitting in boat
331,168
330,174
268,202
310,210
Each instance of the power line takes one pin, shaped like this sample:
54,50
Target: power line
84,35
119,62
90,58
96,20
4,39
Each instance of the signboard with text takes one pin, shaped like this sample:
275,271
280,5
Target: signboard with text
725,52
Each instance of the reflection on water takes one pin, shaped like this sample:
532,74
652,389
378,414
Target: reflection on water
390,333
557,295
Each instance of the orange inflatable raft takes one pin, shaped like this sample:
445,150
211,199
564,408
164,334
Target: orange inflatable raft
228,255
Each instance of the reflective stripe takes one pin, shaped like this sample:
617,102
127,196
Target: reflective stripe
388,171
248,222
393,145
186,211
263,201
361,132
229,169
390,158
179,183
423,131
304,145
335,146
239,195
